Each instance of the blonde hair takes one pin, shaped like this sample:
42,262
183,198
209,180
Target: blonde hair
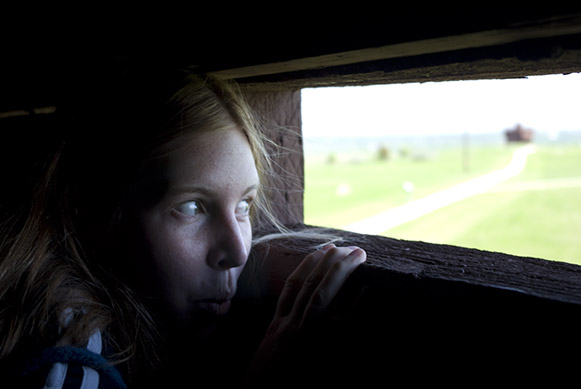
55,258
229,108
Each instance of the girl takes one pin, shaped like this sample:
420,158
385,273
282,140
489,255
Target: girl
126,266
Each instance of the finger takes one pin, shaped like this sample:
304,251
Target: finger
294,283
314,279
330,285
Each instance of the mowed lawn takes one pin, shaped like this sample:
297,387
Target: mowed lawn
518,217
525,216
359,186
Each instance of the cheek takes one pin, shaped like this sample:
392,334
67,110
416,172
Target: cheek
175,254
247,233
172,261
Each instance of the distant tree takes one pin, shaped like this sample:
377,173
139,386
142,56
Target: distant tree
404,152
331,159
383,153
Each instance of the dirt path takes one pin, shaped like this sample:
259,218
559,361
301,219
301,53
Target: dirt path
412,210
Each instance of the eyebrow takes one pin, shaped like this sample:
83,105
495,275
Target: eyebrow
207,191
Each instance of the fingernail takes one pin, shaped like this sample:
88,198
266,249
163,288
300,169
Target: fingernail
327,247
359,253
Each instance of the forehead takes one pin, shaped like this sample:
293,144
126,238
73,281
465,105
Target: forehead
214,158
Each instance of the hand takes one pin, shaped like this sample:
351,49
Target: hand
307,293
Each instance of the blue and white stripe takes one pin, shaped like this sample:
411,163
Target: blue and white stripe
61,375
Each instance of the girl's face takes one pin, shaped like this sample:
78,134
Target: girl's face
197,238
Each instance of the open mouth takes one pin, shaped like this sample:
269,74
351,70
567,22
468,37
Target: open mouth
215,306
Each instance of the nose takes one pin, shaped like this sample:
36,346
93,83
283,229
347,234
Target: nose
231,244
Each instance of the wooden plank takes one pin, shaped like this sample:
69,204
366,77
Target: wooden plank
433,313
540,278
279,113
567,26
521,59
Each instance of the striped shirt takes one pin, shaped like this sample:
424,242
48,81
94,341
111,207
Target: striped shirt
65,374
71,367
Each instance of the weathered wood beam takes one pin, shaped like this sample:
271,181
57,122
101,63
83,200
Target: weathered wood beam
279,114
550,28
435,313
451,265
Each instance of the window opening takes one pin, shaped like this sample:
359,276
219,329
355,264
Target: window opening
488,164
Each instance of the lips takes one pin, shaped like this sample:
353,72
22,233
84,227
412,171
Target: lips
218,294
215,306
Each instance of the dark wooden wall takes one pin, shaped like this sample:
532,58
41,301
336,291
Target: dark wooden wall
279,113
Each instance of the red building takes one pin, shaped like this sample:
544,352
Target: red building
519,134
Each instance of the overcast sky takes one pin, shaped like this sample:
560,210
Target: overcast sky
544,103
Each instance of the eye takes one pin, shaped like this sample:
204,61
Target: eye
243,208
189,208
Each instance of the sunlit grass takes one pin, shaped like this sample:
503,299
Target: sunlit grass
543,223
360,186
538,223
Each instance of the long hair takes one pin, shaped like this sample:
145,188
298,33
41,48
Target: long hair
63,254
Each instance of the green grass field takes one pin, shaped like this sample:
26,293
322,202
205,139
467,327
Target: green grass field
360,186
513,218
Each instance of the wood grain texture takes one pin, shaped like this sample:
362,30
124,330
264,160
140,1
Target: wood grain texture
426,313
